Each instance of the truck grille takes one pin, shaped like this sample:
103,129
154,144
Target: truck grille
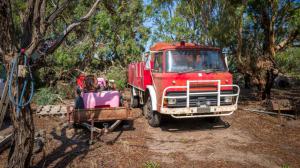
197,100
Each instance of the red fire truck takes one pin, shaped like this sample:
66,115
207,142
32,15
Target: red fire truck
184,80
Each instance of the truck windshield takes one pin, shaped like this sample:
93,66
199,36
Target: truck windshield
194,60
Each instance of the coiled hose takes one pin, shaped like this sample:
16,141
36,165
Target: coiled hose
17,100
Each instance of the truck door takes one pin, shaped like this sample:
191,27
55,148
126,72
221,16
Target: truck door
157,74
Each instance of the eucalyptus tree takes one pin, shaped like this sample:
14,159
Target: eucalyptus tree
115,35
268,27
253,30
26,24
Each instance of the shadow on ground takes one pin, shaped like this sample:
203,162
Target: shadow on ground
195,124
68,150
73,145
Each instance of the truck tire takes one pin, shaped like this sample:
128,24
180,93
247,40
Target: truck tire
134,101
153,117
144,110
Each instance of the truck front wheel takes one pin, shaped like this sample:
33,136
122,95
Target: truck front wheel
153,117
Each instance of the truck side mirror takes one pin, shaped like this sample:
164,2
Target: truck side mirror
226,61
224,55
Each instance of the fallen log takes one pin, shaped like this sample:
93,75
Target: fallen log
269,112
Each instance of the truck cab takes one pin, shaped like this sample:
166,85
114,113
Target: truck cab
184,80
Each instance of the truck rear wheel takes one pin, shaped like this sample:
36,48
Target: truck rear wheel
153,117
134,101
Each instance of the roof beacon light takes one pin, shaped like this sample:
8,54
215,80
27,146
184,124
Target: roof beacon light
182,43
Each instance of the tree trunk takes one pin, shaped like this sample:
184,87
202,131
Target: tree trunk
268,25
6,35
270,77
247,79
33,28
23,139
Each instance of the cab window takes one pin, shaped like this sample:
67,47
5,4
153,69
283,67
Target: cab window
158,62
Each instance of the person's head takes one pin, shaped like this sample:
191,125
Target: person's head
78,92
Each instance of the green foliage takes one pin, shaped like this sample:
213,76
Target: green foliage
114,35
199,21
46,96
53,95
119,30
233,69
118,74
151,164
18,6
65,90
289,61
64,59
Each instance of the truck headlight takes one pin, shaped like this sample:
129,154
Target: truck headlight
171,101
228,99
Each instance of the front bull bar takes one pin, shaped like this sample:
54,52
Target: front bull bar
198,112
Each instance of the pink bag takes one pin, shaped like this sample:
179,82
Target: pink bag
101,99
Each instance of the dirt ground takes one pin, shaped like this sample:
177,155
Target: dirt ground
244,139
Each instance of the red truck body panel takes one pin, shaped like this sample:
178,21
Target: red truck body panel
138,76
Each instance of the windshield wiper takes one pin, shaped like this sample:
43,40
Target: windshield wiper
188,71
204,70
211,70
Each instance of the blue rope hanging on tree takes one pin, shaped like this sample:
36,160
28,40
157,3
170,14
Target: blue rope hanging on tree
17,72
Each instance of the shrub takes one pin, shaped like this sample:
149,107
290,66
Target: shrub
65,89
119,75
289,61
46,96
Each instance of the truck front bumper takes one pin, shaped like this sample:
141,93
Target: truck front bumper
198,112
203,110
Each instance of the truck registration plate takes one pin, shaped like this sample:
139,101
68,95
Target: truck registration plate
203,110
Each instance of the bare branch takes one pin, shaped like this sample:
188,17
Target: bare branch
37,34
37,17
72,26
42,14
288,40
27,21
58,10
